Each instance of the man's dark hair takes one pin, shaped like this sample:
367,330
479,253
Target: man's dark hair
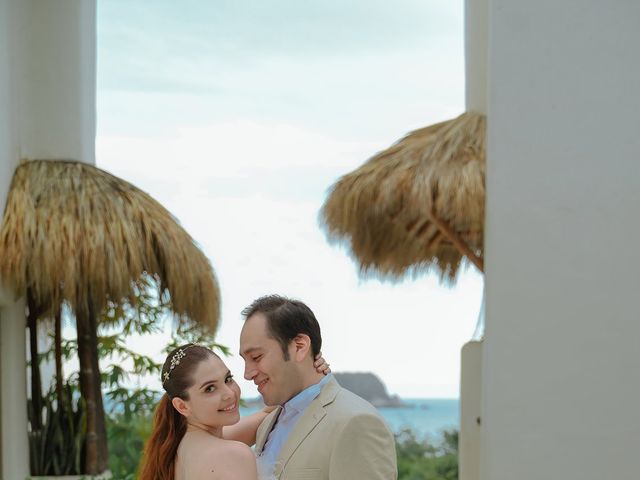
286,319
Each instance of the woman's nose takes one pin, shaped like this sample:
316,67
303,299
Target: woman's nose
228,392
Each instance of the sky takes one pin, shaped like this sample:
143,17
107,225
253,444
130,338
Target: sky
238,116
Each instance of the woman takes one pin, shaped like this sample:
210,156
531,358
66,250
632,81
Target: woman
197,430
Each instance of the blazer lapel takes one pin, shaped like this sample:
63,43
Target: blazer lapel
307,422
265,429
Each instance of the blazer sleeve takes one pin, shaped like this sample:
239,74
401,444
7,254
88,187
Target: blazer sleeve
365,448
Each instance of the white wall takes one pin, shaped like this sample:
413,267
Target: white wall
561,355
47,94
14,453
8,130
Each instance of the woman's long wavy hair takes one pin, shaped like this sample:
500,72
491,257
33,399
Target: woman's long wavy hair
169,426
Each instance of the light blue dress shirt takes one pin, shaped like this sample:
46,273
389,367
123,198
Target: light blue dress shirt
289,416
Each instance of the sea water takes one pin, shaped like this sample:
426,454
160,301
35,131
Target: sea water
426,417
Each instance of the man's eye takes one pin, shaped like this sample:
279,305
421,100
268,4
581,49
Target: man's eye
255,359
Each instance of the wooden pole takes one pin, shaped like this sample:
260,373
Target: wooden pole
454,238
36,382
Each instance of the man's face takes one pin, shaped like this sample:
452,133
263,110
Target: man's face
276,378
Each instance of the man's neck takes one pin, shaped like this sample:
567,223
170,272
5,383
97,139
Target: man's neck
311,379
308,380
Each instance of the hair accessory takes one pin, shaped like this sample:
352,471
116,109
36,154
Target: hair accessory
175,361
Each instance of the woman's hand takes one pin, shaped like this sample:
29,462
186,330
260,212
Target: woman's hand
321,365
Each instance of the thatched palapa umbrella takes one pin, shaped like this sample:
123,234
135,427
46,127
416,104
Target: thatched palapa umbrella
76,234
417,205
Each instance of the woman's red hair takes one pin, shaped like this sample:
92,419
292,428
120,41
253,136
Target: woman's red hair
169,426
159,459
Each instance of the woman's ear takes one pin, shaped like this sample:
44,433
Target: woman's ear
181,406
302,345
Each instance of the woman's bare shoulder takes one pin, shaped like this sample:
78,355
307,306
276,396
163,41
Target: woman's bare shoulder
235,449
229,460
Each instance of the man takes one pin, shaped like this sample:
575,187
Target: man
319,430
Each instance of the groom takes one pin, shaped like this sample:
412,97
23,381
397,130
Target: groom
319,431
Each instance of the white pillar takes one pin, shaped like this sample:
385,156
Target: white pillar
476,53
470,410
13,392
476,47
561,384
58,79
47,93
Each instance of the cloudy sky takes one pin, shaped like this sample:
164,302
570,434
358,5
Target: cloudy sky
239,115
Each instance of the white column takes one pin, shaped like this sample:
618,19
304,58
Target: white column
476,46
14,445
561,384
13,392
476,53
470,410
58,79
47,93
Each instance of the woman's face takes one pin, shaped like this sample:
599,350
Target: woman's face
213,397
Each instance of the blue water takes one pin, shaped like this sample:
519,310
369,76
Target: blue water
427,417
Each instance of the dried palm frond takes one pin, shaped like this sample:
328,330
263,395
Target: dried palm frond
72,232
418,205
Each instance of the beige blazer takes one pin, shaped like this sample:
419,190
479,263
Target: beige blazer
340,436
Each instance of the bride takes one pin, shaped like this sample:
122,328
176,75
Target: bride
197,431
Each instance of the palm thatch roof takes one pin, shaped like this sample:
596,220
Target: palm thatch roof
72,232
417,206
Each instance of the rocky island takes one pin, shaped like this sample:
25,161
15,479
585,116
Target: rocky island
368,386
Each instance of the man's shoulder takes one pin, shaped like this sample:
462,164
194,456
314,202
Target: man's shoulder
347,403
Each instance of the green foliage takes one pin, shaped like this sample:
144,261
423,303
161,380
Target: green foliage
126,436
56,448
192,334
420,460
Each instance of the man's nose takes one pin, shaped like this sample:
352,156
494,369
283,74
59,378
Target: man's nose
249,371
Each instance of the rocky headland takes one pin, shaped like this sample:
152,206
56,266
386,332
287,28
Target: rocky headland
368,386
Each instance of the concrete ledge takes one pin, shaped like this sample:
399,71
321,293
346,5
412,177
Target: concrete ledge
103,476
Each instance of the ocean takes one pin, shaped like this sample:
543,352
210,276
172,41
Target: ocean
427,417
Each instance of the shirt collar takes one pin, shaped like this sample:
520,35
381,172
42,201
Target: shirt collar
303,399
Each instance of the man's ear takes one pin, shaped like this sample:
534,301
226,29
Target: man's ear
181,406
302,347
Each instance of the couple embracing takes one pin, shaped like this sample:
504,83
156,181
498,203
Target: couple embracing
310,429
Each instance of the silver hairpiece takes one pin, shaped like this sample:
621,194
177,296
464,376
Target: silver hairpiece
175,361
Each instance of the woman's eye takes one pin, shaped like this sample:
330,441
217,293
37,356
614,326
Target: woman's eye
209,389
229,379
